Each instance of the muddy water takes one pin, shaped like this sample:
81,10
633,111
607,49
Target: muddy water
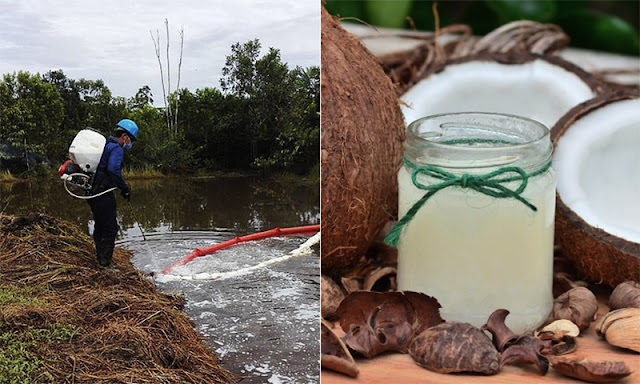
262,324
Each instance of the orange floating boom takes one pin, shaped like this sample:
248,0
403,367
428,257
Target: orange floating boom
256,236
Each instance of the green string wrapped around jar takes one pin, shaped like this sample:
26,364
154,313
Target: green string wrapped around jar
490,184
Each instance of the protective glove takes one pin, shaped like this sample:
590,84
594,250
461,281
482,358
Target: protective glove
126,194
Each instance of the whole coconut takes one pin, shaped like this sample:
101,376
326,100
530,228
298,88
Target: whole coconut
361,148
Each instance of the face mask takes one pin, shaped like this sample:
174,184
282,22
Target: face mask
127,145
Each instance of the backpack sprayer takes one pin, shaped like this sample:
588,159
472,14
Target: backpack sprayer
79,172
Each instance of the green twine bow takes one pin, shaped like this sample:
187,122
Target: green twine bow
489,184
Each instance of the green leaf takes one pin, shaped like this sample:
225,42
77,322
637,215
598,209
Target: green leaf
511,10
599,31
390,14
344,8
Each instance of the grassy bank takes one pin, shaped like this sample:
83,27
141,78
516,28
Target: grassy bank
7,177
62,320
147,172
311,178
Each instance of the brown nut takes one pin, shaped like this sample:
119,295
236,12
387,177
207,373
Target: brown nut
562,282
626,295
455,347
579,305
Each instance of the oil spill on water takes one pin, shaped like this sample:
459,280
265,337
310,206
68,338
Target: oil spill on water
264,324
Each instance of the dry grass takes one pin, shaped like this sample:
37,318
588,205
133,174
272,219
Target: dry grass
118,327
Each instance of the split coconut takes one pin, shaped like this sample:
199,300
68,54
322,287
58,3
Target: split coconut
539,87
361,148
597,160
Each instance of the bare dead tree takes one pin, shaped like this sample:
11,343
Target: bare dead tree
170,114
156,44
169,111
179,71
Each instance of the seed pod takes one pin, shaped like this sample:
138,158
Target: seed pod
560,328
331,297
455,347
591,371
502,335
621,328
381,279
376,322
334,354
523,354
626,295
578,305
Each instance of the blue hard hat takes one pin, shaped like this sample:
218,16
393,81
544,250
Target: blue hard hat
128,126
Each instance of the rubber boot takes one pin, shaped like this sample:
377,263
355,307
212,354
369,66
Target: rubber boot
105,254
99,252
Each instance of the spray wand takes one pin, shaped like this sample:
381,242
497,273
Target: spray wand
136,220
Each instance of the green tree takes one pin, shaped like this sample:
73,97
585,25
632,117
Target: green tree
298,143
147,150
264,85
239,69
75,111
31,113
142,98
104,111
216,127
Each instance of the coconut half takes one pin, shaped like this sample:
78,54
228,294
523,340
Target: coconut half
542,88
597,161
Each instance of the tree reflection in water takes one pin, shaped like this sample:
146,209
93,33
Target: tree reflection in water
243,204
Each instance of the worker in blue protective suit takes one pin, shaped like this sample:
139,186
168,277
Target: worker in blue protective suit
109,175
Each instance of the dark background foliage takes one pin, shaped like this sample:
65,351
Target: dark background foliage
610,26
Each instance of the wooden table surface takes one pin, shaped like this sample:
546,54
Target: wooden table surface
399,368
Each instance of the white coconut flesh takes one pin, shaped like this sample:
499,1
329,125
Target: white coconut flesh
597,162
538,90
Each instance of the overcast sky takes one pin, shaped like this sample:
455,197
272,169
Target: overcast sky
110,39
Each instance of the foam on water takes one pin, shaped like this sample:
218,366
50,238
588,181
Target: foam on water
262,322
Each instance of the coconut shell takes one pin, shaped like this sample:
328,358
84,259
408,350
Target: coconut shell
598,86
361,148
600,256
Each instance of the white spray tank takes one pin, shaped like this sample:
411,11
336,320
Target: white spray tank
85,152
86,149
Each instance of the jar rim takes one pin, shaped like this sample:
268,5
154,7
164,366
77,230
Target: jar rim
478,140
411,128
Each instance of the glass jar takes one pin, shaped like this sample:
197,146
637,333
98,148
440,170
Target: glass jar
483,239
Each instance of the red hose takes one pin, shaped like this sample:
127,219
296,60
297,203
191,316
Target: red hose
255,236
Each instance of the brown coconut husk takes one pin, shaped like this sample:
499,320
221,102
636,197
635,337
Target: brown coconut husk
600,256
361,148
127,331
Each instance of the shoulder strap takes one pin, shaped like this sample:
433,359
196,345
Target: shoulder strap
104,170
